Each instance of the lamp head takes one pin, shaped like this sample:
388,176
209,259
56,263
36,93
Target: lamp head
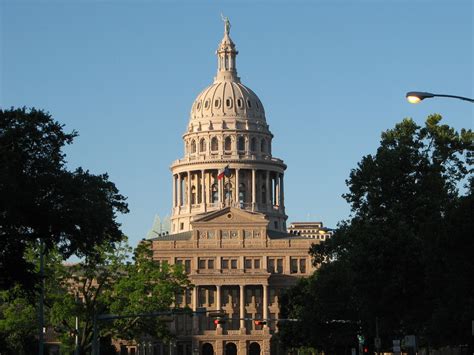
414,97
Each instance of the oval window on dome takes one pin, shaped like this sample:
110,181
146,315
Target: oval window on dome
217,103
256,104
239,103
228,102
206,104
249,104
198,106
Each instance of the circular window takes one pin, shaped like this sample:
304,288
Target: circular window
229,215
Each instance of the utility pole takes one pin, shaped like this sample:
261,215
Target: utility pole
41,302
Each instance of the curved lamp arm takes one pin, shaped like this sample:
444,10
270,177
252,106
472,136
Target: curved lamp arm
416,96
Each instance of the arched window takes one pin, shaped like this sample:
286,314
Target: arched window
202,145
193,146
253,144
214,144
214,193
193,195
263,146
227,143
264,194
241,144
242,192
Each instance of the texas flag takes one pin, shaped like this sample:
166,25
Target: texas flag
225,172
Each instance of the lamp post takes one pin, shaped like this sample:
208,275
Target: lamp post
415,97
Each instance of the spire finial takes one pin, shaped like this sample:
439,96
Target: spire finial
226,24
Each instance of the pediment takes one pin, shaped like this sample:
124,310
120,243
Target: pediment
231,215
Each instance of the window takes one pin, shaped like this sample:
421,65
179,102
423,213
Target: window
279,269
233,263
225,263
193,195
271,265
253,144
241,193
181,226
198,106
293,265
227,143
193,146
249,104
214,193
214,144
206,263
216,103
256,264
206,104
228,103
210,264
303,266
248,263
241,144
264,194
275,223
202,145
239,103
263,146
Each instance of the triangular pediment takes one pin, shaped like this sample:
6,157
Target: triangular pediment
231,215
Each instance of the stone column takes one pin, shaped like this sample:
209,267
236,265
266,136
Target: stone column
242,306
268,189
219,190
179,190
265,304
189,192
174,191
277,190
254,190
237,172
195,306
203,189
282,195
218,302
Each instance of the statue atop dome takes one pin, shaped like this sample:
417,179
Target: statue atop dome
226,24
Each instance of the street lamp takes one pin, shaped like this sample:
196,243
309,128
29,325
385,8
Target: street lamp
414,97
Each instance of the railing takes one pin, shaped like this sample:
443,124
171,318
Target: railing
212,157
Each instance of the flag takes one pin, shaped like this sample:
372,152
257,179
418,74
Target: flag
225,172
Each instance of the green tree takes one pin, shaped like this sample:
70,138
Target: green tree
407,244
41,199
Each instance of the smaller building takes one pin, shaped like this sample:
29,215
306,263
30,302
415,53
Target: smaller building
313,230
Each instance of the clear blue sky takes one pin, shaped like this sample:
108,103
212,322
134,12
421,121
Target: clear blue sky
331,74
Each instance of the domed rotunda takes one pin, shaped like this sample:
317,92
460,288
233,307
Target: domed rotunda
227,152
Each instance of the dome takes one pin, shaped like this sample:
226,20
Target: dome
227,99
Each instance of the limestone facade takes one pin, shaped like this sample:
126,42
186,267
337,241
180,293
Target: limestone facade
230,233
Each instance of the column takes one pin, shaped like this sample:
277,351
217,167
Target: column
242,306
254,190
219,190
195,306
189,192
277,190
237,172
268,189
282,195
179,190
265,304
218,301
203,189
174,191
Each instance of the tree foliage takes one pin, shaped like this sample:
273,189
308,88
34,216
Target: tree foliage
41,199
108,283
405,255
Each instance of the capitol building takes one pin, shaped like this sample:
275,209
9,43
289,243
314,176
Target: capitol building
228,225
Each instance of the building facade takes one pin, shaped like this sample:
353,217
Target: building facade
228,221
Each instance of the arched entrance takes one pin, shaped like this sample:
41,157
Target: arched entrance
254,349
207,349
230,349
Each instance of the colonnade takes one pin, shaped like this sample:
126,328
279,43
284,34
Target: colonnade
191,188
218,302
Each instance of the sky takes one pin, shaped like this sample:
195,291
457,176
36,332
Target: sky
332,76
